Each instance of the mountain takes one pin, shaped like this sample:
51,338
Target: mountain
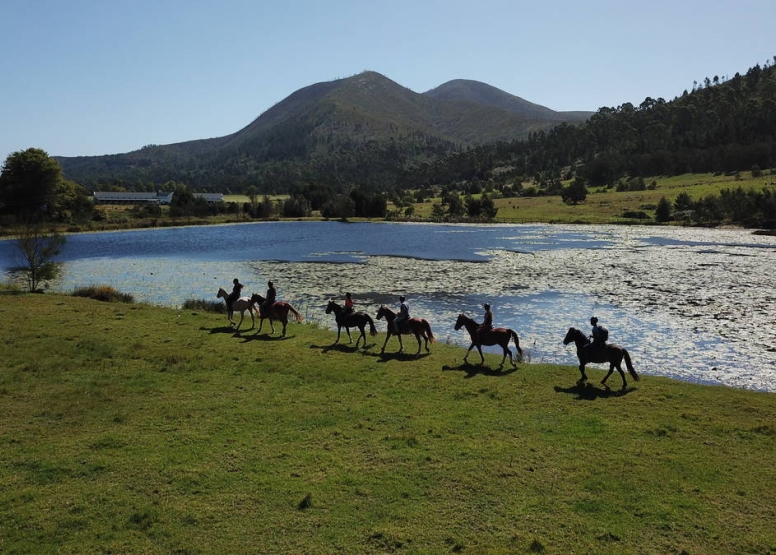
475,92
361,130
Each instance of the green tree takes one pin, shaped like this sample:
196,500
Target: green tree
28,184
37,248
663,210
575,193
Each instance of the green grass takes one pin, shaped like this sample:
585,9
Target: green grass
137,429
608,205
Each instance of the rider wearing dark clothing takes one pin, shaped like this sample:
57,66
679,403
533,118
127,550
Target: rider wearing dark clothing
270,299
404,314
235,294
599,336
487,321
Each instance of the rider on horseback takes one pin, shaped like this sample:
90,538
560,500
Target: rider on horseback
268,302
349,304
235,294
487,321
404,314
598,338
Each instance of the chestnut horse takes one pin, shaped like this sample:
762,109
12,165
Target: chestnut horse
277,311
242,304
351,320
495,336
416,326
613,354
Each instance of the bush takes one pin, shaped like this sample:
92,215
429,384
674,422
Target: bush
103,293
204,306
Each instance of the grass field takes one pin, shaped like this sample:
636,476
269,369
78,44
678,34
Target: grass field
127,428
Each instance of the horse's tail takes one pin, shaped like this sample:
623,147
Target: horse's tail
517,342
427,326
631,369
372,328
297,316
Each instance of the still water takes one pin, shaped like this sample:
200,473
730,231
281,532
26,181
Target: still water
694,304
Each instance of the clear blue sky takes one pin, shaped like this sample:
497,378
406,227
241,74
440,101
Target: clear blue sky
91,77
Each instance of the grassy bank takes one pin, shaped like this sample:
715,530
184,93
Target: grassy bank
130,428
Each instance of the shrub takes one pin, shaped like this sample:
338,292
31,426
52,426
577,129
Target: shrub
204,306
103,293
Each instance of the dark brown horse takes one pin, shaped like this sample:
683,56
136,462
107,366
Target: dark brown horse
351,320
416,326
495,336
611,354
277,311
242,304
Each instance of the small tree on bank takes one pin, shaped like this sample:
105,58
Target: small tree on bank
37,247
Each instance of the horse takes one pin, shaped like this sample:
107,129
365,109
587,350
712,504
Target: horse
416,326
242,304
351,320
613,354
277,311
495,336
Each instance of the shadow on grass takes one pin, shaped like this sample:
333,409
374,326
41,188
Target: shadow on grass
261,337
472,370
588,392
404,356
343,348
222,329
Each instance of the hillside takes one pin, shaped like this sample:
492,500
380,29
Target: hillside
359,119
475,92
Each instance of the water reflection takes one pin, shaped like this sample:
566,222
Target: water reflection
687,303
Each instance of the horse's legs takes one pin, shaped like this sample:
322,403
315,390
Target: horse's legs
242,315
482,357
417,336
611,369
582,371
622,375
466,356
339,328
387,337
363,334
347,330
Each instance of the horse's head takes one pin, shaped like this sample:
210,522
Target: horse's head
222,294
572,335
460,322
383,311
332,307
256,298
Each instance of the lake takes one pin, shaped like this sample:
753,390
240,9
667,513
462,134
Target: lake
693,304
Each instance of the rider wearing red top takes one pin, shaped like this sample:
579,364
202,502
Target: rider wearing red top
349,304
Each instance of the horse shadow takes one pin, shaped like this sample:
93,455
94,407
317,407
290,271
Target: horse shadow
403,357
342,348
262,337
588,392
221,329
472,370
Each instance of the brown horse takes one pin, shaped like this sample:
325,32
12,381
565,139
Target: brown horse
612,354
351,320
416,326
277,311
495,336
242,304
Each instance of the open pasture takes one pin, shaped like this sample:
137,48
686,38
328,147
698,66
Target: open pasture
132,428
